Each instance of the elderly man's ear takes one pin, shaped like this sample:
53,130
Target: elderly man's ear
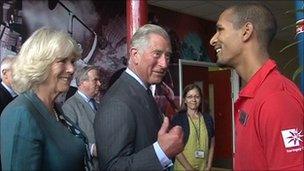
134,56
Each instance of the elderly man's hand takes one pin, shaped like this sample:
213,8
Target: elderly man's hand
170,141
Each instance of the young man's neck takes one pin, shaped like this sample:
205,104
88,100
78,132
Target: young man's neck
251,63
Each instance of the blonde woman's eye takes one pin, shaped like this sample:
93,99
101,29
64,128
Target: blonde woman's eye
73,61
61,60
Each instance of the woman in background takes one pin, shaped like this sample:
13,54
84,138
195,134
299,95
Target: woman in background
34,133
198,130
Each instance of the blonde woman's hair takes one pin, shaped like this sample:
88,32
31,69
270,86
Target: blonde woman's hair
39,51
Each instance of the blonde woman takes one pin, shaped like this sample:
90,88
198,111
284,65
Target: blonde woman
34,133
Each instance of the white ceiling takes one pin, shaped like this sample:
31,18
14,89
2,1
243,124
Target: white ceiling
210,10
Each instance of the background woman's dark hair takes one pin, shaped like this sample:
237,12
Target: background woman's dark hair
186,90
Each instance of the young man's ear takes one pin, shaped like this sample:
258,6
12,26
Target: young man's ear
247,31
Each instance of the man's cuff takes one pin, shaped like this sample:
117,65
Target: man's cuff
163,159
92,149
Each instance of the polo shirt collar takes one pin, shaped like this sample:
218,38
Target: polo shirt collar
257,79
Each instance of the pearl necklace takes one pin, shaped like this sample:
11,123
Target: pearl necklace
56,115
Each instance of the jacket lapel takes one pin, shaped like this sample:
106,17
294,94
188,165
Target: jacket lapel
144,99
90,113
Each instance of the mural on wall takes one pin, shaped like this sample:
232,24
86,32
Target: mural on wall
192,48
10,28
100,28
101,33
189,35
189,39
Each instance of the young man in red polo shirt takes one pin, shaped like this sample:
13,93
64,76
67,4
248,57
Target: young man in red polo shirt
269,112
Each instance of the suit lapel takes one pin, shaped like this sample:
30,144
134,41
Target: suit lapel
6,93
90,113
145,100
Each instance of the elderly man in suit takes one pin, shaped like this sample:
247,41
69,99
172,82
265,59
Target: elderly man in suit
7,94
81,107
130,132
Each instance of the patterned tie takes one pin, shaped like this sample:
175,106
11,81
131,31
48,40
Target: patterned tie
149,92
161,116
93,103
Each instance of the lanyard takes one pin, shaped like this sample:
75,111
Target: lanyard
197,131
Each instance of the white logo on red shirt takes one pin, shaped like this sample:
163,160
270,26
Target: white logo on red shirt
292,137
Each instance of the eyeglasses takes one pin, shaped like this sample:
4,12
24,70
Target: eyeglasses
192,97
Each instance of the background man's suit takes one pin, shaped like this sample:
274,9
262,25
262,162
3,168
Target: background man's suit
126,127
81,113
5,97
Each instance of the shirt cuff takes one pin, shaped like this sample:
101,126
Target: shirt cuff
92,148
163,159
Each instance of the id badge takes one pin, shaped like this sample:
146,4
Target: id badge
199,154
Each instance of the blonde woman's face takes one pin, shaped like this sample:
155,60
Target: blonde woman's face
61,74
193,99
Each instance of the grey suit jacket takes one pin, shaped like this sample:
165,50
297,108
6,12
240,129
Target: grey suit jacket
81,113
126,126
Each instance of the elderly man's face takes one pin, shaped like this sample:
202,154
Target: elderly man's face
91,86
7,76
152,62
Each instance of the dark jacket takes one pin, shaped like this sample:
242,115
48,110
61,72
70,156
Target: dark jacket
126,127
181,119
32,139
5,97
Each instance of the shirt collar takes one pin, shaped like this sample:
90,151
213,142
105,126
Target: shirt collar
9,89
257,79
132,74
85,97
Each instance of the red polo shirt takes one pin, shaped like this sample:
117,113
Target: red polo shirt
269,123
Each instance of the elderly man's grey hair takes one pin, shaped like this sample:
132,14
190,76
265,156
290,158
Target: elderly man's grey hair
82,73
6,64
140,39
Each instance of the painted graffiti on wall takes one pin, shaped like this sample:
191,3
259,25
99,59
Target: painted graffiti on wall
100,29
